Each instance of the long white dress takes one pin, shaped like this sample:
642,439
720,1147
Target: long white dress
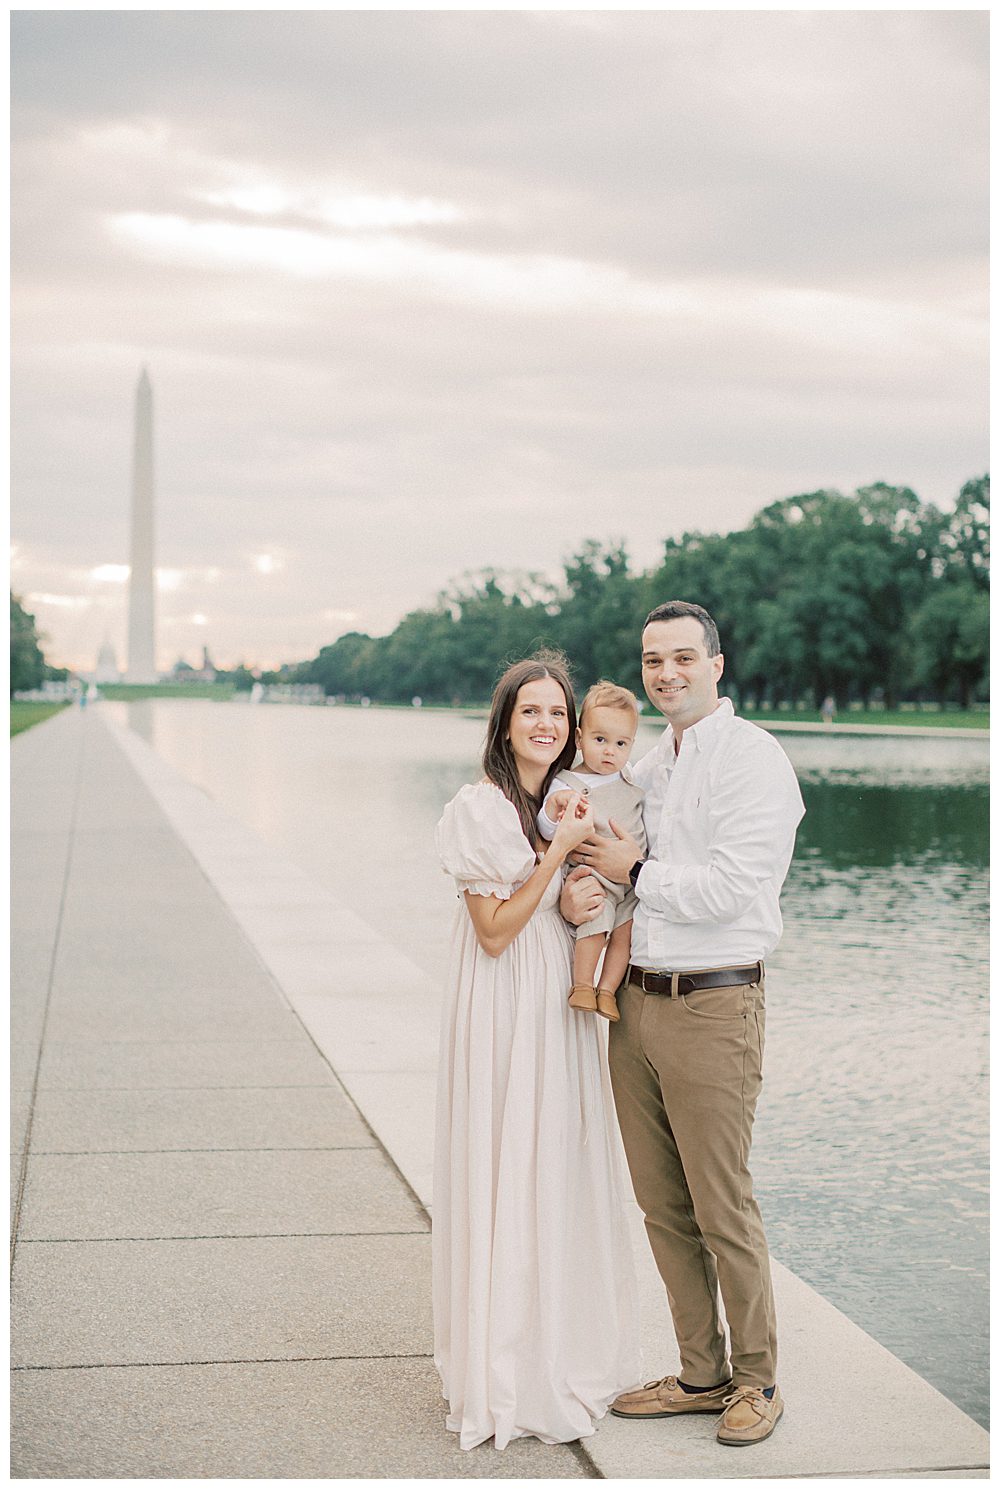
535,1316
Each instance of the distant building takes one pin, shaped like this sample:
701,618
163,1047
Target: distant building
288,692
184,672
107,669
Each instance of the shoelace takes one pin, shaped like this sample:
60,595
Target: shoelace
670,1381
754,1395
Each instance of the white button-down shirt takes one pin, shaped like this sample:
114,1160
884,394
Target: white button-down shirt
720,822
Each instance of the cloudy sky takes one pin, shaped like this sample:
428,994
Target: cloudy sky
421,292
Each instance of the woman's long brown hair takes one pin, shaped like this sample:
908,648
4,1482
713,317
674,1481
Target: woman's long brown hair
499,765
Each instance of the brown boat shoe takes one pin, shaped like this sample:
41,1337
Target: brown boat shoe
668,1398
750,1416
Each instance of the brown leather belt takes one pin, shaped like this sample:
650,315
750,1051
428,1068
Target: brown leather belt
676,984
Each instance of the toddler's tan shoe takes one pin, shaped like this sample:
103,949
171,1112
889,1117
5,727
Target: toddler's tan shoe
750,1416
583,996
607,1005
667,1398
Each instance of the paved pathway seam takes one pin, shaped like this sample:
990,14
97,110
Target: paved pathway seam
235,1360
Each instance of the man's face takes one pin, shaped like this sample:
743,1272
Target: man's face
680,678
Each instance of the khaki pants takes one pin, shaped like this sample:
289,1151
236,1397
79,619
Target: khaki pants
686,1074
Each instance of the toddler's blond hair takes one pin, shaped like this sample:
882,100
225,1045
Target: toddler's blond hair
606,694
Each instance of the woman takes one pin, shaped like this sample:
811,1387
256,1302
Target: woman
534,1296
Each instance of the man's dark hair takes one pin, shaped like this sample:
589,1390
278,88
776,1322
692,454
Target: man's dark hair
677,610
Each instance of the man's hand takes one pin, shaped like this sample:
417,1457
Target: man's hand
612,857
582,897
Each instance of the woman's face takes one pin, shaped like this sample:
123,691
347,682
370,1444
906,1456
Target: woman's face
538,728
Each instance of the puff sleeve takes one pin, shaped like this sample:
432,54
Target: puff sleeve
480,842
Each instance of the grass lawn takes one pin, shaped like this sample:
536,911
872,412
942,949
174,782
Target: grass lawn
128,692
23,715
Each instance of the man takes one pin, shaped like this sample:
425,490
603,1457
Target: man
721,808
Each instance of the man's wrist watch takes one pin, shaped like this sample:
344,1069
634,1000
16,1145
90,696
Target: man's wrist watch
635,871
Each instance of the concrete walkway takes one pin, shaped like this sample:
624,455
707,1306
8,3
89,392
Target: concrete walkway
221,1180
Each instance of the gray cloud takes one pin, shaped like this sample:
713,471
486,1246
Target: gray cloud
673,265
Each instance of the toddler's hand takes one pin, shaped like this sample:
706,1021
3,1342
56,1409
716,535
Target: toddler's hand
555,805
575,824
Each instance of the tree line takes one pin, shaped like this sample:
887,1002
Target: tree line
28,667
875,597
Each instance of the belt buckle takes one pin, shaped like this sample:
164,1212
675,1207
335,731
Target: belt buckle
660,977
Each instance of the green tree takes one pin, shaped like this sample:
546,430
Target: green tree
417,659
726,575
965,539
950,639
949,630
343,667
497,618
27,665
824,583
858,596
599,615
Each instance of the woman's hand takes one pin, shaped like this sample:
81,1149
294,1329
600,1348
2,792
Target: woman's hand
575,824
496,922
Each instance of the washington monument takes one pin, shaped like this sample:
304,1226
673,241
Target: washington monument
141,664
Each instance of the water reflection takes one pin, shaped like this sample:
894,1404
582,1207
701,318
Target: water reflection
888,760
870,1150
852,825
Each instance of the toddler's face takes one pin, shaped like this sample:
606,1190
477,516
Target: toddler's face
605,738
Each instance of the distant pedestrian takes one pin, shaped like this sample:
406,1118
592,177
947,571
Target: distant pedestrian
535,1314
828,709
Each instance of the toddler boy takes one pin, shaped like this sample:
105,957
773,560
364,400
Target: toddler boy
609,717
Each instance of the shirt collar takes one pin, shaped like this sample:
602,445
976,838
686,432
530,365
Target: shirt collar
585,780
698,733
